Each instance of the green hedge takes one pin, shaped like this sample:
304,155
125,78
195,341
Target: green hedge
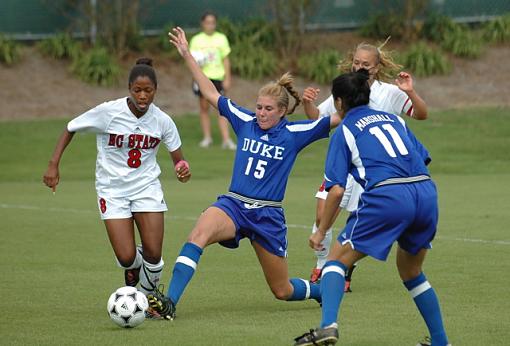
320,66
425,61
60,46
9,51
96,66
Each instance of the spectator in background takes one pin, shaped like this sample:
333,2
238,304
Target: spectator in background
211,49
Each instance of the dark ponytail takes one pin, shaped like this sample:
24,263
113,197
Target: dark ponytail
143,68
352,88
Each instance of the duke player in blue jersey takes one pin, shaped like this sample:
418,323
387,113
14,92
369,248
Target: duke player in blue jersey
399,204
266,150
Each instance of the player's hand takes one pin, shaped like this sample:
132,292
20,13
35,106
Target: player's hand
310,94
315,241
404,82
178,39
51,177
182,171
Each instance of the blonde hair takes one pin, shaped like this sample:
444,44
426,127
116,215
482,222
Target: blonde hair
387,67
280,90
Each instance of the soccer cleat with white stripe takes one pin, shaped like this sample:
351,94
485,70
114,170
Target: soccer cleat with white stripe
318,337
161,304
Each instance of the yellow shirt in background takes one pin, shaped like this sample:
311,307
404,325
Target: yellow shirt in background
209,51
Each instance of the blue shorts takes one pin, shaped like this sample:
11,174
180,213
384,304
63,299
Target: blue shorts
406,213
264,225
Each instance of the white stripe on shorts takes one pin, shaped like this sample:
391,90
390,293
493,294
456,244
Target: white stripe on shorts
186,261
415,292
307,284
333,268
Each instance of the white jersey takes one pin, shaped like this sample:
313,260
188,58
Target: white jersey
127,145
384,97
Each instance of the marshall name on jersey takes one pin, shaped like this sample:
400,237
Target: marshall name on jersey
264,158
373,146
126,145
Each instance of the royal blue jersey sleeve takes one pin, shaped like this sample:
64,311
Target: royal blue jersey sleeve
338,161
306,131
236,115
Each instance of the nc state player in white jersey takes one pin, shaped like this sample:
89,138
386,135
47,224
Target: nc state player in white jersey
129,131
396,99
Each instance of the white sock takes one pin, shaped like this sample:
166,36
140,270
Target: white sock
137,263
150,275
322,255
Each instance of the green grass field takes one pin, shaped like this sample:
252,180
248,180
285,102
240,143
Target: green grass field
58,269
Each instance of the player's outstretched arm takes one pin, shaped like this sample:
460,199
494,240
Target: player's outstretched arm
52,176
309,97
207,88
404,82
181,166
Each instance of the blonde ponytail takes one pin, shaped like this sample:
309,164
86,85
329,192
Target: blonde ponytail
280,90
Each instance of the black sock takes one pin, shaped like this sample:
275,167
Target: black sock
348,275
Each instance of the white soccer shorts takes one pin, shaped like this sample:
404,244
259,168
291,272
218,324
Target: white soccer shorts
149,200
351,197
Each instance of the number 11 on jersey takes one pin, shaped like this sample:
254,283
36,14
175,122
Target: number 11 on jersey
259,168
379,134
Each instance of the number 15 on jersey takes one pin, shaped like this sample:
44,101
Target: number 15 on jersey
259,170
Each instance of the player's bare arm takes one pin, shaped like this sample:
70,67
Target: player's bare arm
335,120
335,195
227,82
404,82
207,88
52,176
181,166
310,95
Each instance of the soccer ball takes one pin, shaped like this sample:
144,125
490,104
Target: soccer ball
200,57
127,306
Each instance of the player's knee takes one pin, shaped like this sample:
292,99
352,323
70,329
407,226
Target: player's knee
408,273
125,261
281,293
199,237
153,259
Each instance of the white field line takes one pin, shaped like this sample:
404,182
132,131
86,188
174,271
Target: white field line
189,218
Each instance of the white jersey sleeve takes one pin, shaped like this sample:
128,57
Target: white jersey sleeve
348,192
327,107
95,120
171,136
352,194
400,102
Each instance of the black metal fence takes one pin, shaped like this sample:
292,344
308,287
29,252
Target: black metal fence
34,19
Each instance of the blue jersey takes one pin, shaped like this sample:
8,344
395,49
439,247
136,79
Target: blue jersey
373,146
264,158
